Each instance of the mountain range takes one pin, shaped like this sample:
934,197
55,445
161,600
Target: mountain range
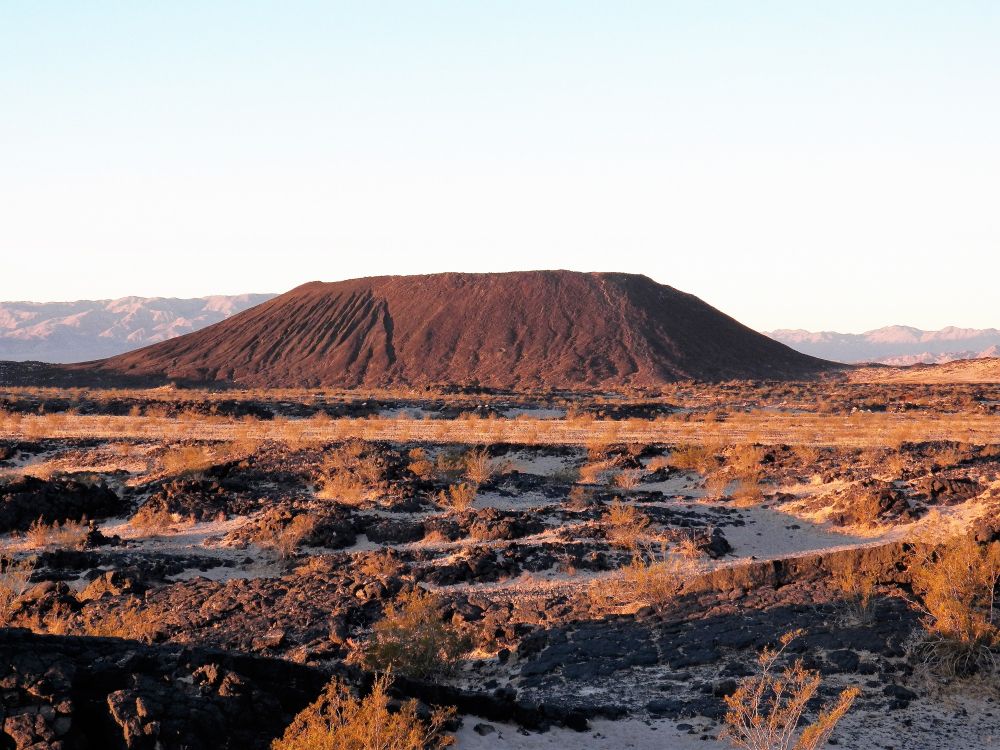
93,329
895,345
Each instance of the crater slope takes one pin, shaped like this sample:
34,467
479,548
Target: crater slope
552,329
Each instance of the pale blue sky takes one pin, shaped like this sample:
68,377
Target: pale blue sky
797,164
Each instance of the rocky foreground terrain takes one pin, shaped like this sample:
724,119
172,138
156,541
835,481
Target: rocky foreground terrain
195,566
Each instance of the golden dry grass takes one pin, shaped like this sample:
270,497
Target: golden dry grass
862,429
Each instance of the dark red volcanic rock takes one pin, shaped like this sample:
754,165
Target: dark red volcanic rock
552,329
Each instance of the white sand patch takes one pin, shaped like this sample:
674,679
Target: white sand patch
221,573
961,719
519,501
405,412
770,533
534,412
686,484
528,462
181,536
361,544
606,735
41,465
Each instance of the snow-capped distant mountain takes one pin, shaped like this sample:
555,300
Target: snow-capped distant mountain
895,345
93,329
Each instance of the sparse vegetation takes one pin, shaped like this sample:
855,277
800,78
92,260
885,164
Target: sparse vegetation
413,637
350,474
458,497
152,519
857,584
765,712
15,576
556,562
130,619
339,721
748,493
692,457
625,524
187,460
380,564
957,585
479,467
67,534
420,465
650,577
286,540
627,479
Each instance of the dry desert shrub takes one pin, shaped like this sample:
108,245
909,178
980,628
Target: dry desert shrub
128,619
413,638
350,473
579,498
458,497
434,536
746,460
951,455
688,548
857,584
658,463
187,460
957,585
894,465
370,469
807,455
380,564
339,721
479,467
358,459
15,576
286,541
245,442
716,485
627,479
766,710
66,534
692,457
651,578
420,465
342,486
152,521
592,471
748,493
626,524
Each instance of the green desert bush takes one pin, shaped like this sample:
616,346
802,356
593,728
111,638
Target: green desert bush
414,639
